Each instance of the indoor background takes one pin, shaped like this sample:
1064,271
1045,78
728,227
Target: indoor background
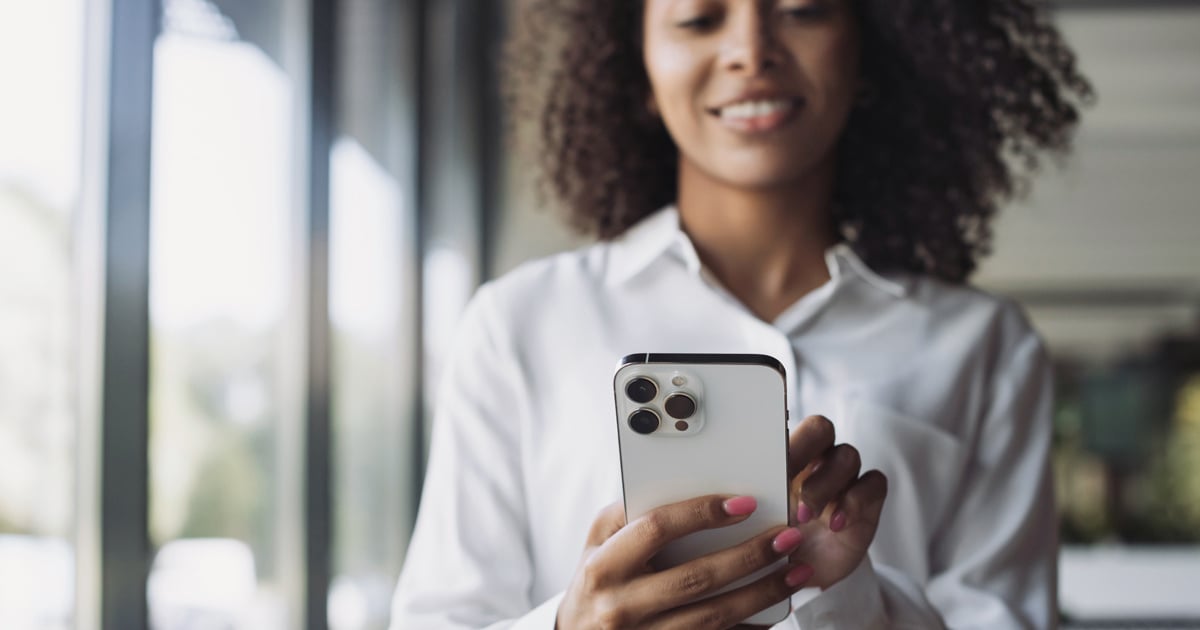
235,236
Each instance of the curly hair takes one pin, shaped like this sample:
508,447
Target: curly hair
965,96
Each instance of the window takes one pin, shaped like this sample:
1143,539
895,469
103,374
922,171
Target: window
257,192
41,149
226,400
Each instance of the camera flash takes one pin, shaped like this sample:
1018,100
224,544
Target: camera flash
681,426
679,381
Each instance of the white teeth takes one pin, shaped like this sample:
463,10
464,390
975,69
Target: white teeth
754,109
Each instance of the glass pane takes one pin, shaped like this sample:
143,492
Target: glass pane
41,114
373,312
373,401
225,408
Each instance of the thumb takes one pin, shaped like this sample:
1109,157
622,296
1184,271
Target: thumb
610,520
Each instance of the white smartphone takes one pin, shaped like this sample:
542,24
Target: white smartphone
689,425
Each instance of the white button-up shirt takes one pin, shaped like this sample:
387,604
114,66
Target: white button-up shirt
945,389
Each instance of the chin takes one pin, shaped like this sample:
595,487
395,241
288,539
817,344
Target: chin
760,176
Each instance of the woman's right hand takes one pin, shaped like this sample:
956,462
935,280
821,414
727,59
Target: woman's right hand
615,586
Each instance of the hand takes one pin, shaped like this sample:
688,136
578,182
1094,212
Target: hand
615,587
836,509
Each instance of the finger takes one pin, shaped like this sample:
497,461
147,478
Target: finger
728,609
862,503
812,436
687,582
839,469
607,522
633,545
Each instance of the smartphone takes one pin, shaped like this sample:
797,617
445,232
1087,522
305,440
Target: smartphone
689,425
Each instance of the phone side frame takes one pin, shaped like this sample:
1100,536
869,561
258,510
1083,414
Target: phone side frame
643,358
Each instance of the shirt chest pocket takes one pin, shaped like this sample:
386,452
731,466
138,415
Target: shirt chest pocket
924,465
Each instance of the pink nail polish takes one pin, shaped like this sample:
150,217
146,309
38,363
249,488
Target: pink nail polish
804,513
787,540
838,522
740,506
798,575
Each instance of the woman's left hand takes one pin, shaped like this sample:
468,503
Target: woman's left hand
835,507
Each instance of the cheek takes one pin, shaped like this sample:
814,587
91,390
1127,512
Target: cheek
834,67
675,79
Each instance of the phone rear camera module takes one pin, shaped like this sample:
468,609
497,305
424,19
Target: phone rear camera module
641,390
680,406
643,421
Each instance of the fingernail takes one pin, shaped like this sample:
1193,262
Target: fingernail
804,513
798,575
787,540
740,506
838,521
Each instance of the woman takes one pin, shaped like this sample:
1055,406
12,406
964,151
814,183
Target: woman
808,179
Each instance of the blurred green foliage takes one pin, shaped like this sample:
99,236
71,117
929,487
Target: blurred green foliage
1140,483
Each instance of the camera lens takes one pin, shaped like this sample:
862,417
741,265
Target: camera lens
643,421
641,390
680,406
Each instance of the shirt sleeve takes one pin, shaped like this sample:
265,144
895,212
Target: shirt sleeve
468,563
995,559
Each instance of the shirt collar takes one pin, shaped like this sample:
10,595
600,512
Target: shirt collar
843,261
659,235
641,245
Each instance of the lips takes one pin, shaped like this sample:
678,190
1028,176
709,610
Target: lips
757,114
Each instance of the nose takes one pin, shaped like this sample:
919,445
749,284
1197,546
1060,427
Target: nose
750,47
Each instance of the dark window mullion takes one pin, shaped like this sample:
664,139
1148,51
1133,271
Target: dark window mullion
318,435
124,526
453,180
420,196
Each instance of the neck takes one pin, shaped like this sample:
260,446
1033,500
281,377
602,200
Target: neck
766,246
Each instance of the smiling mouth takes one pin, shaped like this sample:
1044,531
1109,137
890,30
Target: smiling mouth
759,115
